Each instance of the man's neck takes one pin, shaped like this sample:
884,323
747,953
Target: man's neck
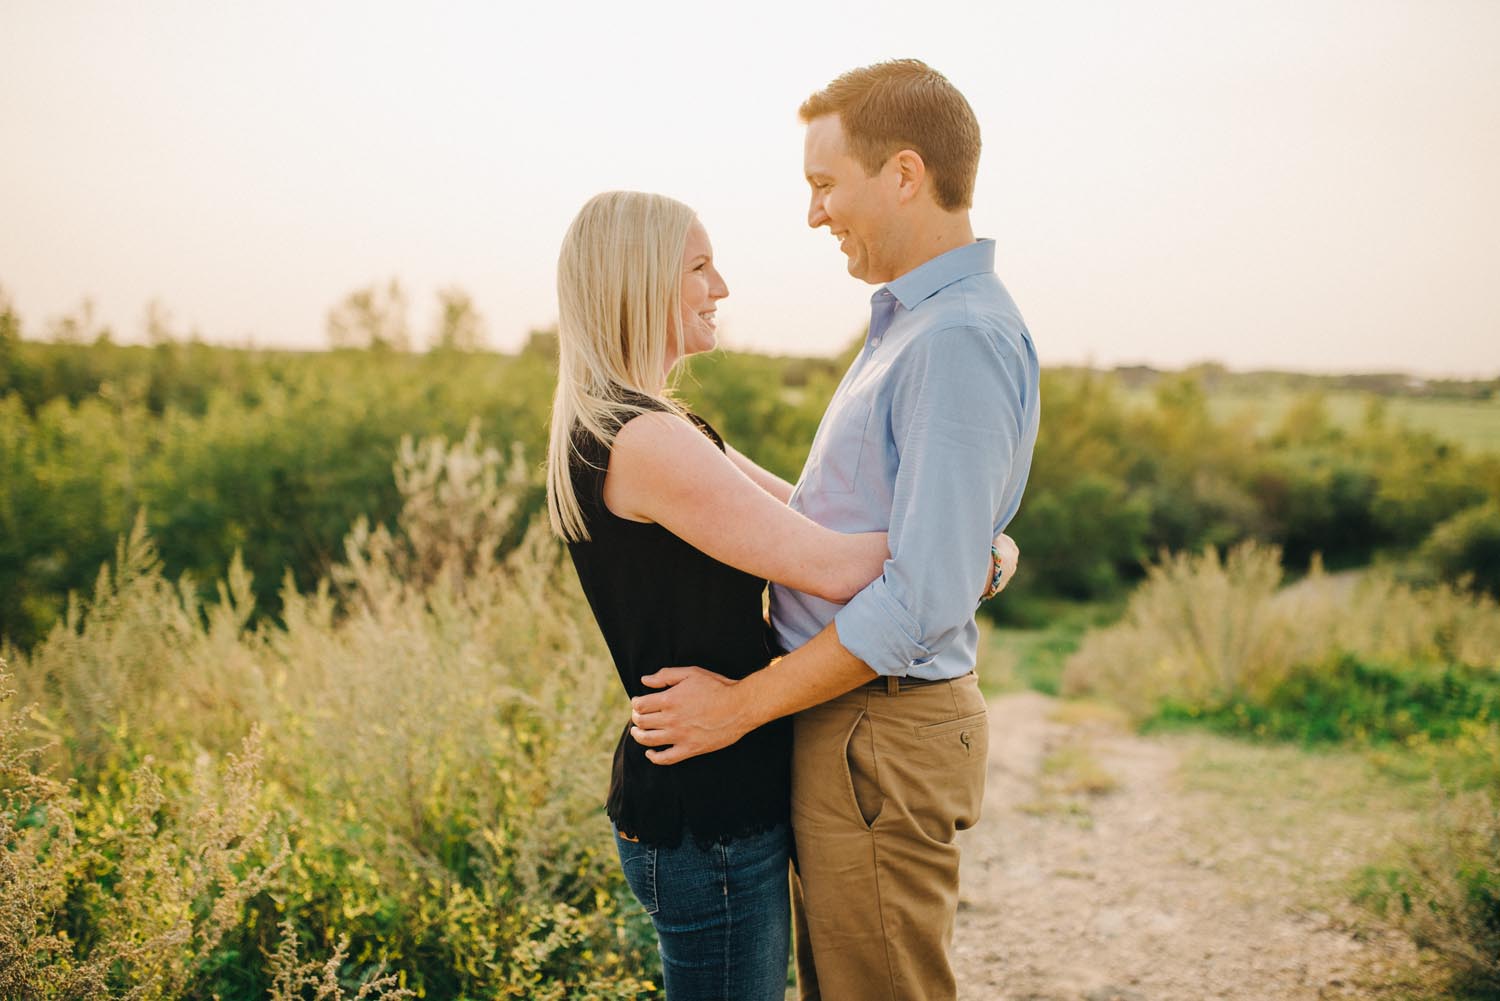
947,232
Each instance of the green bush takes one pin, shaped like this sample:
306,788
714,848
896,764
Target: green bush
1347,698
1467,547
1075,538
1445,892
1203,633
276,454
436,718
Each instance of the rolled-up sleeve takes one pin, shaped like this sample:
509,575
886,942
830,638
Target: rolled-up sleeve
956,419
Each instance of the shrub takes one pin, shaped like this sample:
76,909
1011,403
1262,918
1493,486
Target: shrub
131,893
1076,536
1199,629
1446,892
436,720
1347,698
1467,547
1207,633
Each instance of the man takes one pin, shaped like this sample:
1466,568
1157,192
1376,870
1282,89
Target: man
929,436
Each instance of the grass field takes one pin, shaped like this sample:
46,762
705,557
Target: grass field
1473,424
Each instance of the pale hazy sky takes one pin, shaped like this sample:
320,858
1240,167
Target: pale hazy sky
1309,184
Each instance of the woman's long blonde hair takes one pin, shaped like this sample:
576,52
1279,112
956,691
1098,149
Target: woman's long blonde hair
618,294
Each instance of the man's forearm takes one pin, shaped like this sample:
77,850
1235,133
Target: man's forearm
819,670
698,711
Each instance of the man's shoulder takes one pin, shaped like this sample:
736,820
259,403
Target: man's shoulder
978,304
974,333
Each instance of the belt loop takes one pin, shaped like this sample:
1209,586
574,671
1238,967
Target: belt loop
892,685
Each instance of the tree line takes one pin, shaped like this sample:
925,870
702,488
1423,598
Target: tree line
274,454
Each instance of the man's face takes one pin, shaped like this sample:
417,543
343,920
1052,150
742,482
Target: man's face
858,210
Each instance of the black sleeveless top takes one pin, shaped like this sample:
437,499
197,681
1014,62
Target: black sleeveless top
661,603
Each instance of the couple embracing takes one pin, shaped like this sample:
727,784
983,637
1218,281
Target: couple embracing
847,735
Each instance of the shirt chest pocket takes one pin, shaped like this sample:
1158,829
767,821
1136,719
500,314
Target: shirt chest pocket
835,466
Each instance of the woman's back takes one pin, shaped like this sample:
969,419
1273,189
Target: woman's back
659,603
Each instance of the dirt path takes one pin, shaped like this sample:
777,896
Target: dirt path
1095,876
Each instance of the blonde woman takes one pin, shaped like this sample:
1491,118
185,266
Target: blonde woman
673,535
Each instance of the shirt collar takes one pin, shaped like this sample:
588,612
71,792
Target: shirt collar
923,281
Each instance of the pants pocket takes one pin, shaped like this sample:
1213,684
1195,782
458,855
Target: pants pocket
638,862
859,762
957,749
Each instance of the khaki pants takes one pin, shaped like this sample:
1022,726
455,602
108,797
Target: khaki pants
880,784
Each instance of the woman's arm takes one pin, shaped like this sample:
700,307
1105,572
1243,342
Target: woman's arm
764,478
664,470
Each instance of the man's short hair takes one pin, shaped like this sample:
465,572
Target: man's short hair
905,104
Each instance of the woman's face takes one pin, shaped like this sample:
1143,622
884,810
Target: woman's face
702,288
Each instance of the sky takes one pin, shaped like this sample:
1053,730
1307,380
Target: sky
1296,184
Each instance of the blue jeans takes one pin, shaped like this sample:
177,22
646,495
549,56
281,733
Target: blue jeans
722,914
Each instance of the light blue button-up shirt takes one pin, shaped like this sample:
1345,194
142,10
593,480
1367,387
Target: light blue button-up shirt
928,437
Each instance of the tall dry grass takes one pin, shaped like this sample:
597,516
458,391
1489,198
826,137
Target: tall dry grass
1204,629
432,725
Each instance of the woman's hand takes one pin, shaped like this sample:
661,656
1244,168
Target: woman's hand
1005,556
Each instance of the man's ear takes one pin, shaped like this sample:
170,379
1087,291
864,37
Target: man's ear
910,174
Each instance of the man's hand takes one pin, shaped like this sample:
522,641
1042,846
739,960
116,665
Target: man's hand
1010,558
697,713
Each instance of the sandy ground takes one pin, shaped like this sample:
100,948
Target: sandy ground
1095,876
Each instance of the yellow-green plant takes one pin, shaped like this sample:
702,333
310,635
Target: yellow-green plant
162,867
433,728
1446,892
37,845
1197,628
1203,630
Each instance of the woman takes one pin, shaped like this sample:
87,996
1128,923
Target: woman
673,535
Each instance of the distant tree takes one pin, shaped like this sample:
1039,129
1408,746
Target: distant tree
541,344
7,310
371,318
157,324
10,324
77,327
10,341
1307,422
460,326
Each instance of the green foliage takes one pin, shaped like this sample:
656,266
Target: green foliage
1078,536
435,710
1466,547
1205,634
276,454
373,318
139,888
766,407
435,721
1445,891
1350,699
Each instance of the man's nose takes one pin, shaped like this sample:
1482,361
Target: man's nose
815,215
